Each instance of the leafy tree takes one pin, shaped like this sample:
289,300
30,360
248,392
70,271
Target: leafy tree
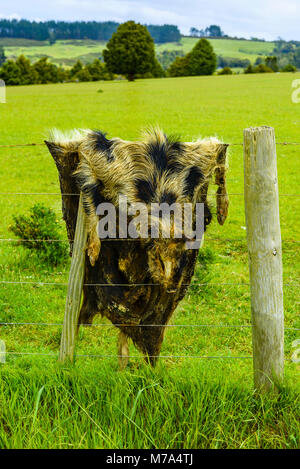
249,69
232,62
83,75
262,68
225,71
202,60
130,51
194,32
165,33
28,74
2,56
289,68
166,57
180,67
55,30
214,31
157,70
10,73
77,67
48,72
98,71
271,62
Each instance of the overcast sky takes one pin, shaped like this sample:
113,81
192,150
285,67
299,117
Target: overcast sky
260,18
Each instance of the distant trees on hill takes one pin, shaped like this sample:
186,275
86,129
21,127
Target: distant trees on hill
287,53
211,31
23,72
54,30
2,56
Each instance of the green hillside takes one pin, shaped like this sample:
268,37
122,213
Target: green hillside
68,51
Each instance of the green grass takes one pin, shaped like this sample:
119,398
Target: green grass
68,51
188,402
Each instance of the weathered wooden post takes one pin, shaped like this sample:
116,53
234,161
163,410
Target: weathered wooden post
265,256
75,285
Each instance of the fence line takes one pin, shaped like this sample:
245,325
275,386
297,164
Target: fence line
33,240
133,356
138,325
62,194
132,284
16,240
13,145
214,357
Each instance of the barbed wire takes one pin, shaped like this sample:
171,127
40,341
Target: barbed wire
136,325
77,195
24,240
128,356
41,283
12,145
214,357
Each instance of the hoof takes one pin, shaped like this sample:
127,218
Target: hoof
94,250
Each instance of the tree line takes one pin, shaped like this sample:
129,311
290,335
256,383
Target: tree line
98,31
23,72
131,53
2,56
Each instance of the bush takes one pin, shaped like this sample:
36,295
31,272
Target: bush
261,68
225,71
249,69
272,62
232,62
40,224
289,68
179,68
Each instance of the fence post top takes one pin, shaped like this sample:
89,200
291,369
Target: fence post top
261,128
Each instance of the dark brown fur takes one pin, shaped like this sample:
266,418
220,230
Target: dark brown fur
156,272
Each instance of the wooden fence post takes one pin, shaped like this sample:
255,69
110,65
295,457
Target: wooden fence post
265,256
75,285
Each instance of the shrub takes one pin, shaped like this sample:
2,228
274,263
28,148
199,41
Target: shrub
262,68
249,69
40,224
289,68
272,62
225,71
179,68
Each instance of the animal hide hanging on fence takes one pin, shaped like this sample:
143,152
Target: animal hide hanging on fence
145,277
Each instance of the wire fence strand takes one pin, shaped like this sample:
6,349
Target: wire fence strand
139,357
77,195
233,326
12,145
132,284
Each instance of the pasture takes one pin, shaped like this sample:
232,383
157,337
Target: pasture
185,402
68,51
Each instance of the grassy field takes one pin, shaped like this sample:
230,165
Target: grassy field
67,52
185,402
